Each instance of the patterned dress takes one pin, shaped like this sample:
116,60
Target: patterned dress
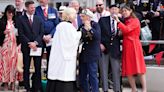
8,55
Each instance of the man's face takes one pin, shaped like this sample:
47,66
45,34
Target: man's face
75,5
84,17
99,8
19,3
31,9
43,2
114,10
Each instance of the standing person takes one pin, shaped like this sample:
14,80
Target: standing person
50,19
110,47
90,53
19,12
8,47
132,56
77,22
62,65
31,33
100,11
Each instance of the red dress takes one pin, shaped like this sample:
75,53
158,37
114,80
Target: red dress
132,55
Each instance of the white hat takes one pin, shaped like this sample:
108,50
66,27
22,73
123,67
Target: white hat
87,12
61,8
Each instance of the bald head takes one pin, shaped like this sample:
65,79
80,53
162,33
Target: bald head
74,4
99,2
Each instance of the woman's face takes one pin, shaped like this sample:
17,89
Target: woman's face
126,13
9,15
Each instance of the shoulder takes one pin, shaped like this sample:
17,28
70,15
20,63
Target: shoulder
52,9
102,19
38,7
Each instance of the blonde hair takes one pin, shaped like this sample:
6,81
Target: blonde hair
68,14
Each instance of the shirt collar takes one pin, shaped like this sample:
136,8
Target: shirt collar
30,16
43,7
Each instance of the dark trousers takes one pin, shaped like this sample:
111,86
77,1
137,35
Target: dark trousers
61,86
36,77
88,77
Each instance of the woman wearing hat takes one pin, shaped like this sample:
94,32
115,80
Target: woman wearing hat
90,53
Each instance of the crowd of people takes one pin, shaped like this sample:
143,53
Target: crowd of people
73,40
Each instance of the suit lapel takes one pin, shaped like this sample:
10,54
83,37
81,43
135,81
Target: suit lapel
41,12
27,20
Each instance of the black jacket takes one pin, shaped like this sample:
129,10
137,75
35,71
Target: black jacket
3,23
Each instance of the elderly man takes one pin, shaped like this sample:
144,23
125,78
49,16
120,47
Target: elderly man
75,4
100,11
50,19
19,11
110,47
90,53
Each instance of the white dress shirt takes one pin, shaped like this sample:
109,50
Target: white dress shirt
97,15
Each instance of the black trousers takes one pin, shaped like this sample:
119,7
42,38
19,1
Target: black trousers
61,86
36,77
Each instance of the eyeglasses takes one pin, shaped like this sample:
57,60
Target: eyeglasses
99,5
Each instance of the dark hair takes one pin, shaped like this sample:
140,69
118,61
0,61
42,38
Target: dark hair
27,3
9,9
130,7
3,21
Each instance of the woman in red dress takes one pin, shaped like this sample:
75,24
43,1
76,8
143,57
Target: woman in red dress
8,48
132,56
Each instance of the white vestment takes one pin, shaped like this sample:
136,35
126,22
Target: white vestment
62,62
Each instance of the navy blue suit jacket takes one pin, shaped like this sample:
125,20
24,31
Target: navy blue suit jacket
49,23
112,44
91,47
30,33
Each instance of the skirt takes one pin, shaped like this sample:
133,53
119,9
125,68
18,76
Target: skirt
61,86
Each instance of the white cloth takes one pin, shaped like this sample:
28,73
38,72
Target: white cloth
97,15
62,62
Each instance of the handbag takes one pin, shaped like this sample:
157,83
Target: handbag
146,34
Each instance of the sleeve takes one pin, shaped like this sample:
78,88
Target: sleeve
22,36
126,28
93,33
103,40
40,35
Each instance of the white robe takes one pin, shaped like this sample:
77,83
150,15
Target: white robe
62,62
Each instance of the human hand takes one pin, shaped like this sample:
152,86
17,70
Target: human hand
32,45
6,31
102,47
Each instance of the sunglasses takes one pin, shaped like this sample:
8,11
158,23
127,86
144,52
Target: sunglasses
99,5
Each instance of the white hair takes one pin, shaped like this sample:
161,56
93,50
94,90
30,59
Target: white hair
68,14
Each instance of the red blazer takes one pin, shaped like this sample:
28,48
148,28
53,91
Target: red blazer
132,56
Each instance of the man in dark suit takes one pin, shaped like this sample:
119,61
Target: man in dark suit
50,19
31,33
110,47
90,53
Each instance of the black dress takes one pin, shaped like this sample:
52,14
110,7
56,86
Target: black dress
61,86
